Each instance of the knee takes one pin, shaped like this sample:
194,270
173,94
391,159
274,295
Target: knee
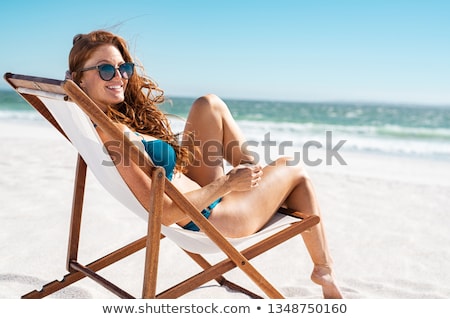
209,102
296,169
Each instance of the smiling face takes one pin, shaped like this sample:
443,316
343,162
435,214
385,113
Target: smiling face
104,93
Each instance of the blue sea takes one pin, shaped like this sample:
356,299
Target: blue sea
379,128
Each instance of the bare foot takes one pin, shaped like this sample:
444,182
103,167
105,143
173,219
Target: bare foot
323,276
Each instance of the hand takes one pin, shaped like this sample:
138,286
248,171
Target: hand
244,177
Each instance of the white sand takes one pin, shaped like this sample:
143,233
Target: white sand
387,221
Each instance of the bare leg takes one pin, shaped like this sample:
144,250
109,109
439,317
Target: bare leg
302,198
217,137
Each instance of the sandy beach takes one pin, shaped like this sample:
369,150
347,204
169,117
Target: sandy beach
387,220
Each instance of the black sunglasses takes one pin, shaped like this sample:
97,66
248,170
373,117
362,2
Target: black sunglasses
108,71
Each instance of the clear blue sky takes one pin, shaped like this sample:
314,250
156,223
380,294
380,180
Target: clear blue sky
379,50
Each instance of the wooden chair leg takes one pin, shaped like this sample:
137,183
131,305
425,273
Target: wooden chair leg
77,209
221,280
153,234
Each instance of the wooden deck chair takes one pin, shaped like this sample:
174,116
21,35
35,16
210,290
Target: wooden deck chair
72,113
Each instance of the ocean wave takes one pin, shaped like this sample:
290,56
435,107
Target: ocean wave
7,115
387,139
382,131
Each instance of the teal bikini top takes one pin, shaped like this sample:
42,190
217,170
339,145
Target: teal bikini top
162,154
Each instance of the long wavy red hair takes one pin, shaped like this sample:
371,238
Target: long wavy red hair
139,110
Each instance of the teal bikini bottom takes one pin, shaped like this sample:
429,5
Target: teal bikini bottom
206,212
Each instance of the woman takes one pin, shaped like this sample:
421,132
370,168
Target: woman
238,203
